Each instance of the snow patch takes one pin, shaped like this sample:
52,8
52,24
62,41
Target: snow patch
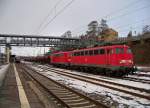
121,98
3,69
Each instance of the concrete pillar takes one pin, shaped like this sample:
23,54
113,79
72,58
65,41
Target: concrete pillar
7,52
129,40
142,42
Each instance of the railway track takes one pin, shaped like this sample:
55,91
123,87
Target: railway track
138,92
137,80
129,78
62,94
142,74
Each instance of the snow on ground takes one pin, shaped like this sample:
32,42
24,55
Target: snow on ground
122,98
120,81
143,68
140,77
146,73
3,69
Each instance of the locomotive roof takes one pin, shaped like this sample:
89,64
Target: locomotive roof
111,46
61,52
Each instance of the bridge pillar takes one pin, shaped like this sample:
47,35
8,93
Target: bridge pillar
7,52
142,41
129,41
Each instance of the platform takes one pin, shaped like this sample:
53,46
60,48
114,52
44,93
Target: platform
16,93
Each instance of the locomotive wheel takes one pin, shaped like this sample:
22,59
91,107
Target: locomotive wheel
108,72
102,71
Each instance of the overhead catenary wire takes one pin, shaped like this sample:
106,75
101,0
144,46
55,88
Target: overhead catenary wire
47,16
133,28
123,26
58,13
136,22
128,26
136,10
124,8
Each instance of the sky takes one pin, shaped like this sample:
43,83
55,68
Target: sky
30,17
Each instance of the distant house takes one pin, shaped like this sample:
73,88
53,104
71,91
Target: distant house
109,34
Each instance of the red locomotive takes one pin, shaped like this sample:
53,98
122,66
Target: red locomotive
114,59
60,58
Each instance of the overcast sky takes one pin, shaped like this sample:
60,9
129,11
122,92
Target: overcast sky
25,17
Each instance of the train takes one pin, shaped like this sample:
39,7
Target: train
14,58
116,60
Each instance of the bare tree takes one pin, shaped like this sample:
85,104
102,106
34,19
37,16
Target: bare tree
146,29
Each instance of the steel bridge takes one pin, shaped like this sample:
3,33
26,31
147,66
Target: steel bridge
36,41
144,37
52,41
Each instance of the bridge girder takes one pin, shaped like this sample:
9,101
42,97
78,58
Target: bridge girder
37,41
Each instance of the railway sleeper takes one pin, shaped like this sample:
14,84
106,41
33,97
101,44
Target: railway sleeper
68,96
90,106
59,91
56,88
80,99
77,102
84,103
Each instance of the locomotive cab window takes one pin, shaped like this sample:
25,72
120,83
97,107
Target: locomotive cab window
58,55
95,52
101,51
86,52
78,53
119,50
82,53
129,50
91,52
74,54
109,51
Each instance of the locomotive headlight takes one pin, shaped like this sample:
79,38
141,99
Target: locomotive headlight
130,61
126,61
122,61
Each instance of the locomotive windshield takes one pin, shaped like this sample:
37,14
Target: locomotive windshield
119,50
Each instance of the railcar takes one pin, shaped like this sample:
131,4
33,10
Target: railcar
112,60
39,59
43,59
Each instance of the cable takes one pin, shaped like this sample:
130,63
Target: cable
132,23
125,7
58,14
124,26
127,30
45,18
130,12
